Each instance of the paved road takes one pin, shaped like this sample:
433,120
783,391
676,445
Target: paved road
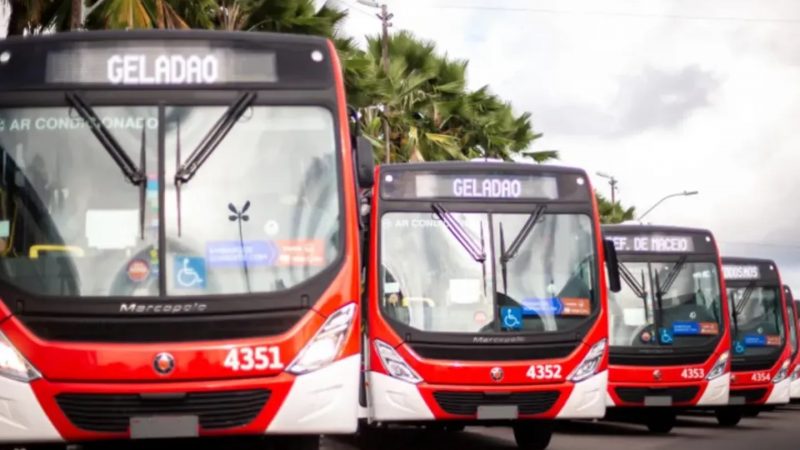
776,430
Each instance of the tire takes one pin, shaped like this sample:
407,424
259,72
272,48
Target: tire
751,412
728,417
533,435
368,437
661,422
310,442
455,428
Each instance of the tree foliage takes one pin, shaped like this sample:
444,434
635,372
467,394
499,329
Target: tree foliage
615,213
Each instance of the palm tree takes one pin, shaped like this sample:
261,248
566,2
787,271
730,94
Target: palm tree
615,213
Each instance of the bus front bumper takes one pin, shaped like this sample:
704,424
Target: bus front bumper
323,401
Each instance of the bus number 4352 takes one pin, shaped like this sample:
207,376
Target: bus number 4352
246,359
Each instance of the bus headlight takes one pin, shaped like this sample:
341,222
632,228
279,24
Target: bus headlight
720,367
782,374
796,373
326,344
590,363
395,365
13,365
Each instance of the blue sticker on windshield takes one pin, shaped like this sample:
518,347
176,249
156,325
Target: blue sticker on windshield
755,340
685,328
739,348
511,317
665,336
190,272
237,253
542,306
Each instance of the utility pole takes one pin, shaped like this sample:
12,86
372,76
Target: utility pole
612,181
385,17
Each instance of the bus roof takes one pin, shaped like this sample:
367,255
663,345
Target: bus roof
165,58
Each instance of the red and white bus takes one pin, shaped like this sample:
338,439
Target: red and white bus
487,298
669,332
761,350
794,342
178,238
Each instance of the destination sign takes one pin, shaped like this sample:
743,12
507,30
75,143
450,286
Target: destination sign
741,272
653,243
160,64
472,186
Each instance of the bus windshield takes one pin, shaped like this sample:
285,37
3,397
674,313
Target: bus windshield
757,321
431,281
790,306
261,214
675,303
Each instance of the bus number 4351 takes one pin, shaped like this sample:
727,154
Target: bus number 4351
246,359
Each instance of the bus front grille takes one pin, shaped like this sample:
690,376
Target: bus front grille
112,413
637,395
466,403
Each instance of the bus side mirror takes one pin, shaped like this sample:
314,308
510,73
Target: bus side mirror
365,163
612,266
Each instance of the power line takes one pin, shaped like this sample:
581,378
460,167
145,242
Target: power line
609,13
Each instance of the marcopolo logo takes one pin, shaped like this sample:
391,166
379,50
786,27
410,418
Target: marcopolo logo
162,69
162,308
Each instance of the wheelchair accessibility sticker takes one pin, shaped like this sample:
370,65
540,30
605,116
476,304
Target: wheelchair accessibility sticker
511,318
666,336
190,272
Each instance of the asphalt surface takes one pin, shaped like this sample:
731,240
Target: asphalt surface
776,430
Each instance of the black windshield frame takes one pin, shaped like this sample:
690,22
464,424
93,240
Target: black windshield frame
491,207
302,295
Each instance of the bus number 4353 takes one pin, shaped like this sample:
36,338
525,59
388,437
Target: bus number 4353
246,359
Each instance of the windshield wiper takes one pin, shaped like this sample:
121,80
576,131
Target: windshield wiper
672,275
462,236
530,224
137,176
213,138
638,289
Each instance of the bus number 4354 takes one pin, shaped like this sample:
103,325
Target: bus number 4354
246,359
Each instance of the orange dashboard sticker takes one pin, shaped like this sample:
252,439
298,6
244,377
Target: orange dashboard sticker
709,328
576,306
774,341
309,252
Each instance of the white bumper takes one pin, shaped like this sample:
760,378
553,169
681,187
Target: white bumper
717,392
780,393
393,400
321,402
588,399
22,419
794,391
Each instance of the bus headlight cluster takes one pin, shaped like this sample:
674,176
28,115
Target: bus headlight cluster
326,344
782,374
395,365
13,365
720,367
590,363
796,373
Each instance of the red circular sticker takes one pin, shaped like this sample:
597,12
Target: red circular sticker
646,336
138,270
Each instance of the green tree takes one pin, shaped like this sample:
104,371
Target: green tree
615,213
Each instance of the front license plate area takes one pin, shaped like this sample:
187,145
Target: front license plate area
163,427
737,401
658,400
498,412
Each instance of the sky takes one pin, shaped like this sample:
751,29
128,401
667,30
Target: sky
666,95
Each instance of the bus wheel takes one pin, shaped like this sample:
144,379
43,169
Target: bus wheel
661,422
728,417
456,427
300,442
751,412
533,435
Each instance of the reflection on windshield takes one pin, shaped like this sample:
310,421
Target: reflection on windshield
432,283
757,321
69,219
690,305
